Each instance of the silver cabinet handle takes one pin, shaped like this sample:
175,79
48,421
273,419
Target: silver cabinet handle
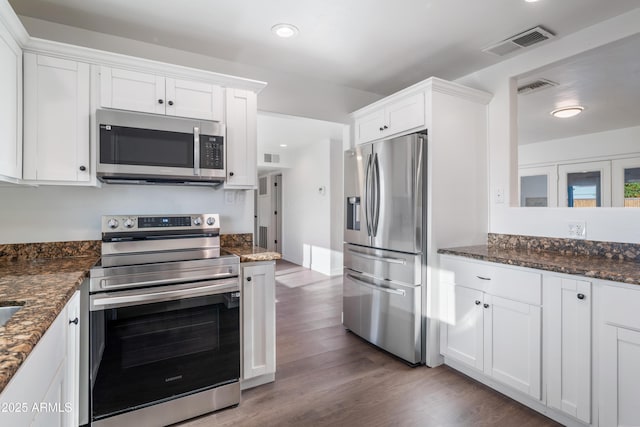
379,258
483,278
376,287
196,151
209,288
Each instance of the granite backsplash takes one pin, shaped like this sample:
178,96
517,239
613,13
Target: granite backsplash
611,250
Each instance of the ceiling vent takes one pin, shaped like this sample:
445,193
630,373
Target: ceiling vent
520,41
271,158
535,86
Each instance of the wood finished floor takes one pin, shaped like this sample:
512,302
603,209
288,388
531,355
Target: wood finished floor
329,377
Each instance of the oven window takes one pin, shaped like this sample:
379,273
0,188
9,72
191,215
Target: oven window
144,147
145,354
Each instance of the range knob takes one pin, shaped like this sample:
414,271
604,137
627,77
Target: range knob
113,223
211,220
128,223
197,221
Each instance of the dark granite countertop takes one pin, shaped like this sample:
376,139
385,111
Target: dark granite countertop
252,253
597,267
43,287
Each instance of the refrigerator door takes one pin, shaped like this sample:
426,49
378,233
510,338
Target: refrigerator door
357,194
394,266
397,193
388,314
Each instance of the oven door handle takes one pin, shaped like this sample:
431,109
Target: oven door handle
105,283
100,302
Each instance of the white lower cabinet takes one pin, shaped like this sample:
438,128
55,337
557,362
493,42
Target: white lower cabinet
567,331
44,390
483,329
619,358
258,323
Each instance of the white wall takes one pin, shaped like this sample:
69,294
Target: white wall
306,212
286,93
605,224
49,214
589,147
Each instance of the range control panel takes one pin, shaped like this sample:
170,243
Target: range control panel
142,223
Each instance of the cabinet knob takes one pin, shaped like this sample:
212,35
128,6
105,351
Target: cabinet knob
160,101
581,296
248,279
385,127
230,173
170,102
486,306
478,302
74,321
82,168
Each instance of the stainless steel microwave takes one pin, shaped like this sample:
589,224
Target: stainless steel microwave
147,148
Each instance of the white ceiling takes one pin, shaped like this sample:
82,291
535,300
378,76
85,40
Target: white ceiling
378,46
606,81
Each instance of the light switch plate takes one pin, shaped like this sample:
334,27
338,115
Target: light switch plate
499,195
577,230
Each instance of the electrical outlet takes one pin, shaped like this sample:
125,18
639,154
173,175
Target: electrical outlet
577,230
499,195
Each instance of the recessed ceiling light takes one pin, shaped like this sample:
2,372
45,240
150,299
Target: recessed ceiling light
566,112
283,145
531,1
285,30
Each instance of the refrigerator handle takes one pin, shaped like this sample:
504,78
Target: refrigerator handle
376,216
367,195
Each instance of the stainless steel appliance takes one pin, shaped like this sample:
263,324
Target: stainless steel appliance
385,237
148,148
164,323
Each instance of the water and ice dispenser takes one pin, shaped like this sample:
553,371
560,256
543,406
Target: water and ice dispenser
353,213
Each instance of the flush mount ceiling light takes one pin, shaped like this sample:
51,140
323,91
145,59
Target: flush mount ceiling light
566,112
285,30
531,1
283,145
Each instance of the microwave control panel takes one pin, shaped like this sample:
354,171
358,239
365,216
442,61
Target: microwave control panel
211,152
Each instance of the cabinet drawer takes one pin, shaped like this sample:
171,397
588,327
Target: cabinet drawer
503,282
620,306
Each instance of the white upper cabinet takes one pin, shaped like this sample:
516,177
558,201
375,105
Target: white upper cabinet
397,116
241,142
10,107
56,120
150,93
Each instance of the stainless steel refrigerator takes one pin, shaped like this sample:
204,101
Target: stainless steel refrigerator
385,242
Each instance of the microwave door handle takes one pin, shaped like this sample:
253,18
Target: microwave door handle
196,151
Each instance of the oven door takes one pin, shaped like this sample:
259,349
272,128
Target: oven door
160,343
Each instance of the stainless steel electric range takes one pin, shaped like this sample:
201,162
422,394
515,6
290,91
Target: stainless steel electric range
164,321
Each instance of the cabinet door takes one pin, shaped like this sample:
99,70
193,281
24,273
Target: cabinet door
259,320
51,410
10,106
404,114
462,332
130,90
72,363
619,376
512,352
194,100
56,119
568,342
241,140
370,127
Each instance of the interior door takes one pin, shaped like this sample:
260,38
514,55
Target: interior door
357,165
397,193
